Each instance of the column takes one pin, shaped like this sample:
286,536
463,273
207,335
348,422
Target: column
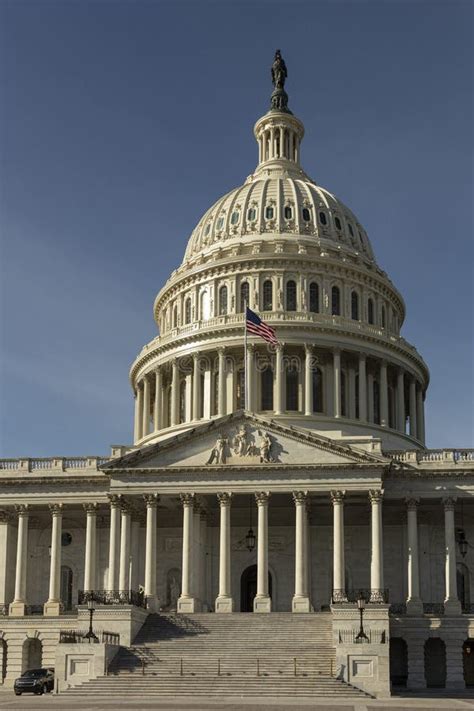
224,601
337,382
452,606
6,535
114,543
362,389
308,554
414,603
300,599
376,562
125,530
277,391
151,501
186,602
262,601
52,607
137,421
17,607
250,384
174,393
197,394
419,415
383,394
401,416
203,577
339,573
282,144
196,556
139,411
146,406
308,380
272,143
352,393
221,383
157,406
413,432
91,545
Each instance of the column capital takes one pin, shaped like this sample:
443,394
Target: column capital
251,347
90,508
125,507
5,516
261,497
151,500
309,348
449,502
412,503
187,499
336,351
22,509
362,356
56,509
114,499
221,351
224,498
376,496
300,498
337,496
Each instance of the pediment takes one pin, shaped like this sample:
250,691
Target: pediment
243,440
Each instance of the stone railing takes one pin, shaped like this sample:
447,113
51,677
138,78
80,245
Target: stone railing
80,636
432,456
113,597
52,464
372,595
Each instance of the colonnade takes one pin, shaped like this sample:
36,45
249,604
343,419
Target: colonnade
188,390
278,142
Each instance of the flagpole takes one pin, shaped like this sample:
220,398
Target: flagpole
246,390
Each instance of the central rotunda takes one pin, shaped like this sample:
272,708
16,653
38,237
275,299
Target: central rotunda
294,253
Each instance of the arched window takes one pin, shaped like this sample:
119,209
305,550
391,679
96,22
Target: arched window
337,222
288,212
322,218
251,214
241,389
335,301
244,295
314,297
383,316
187,311
370,310
175,316
204,306
269,212
317,390
234,218
291,296
182,401
267,388
292,389
267,295
222,301
355,306
306,214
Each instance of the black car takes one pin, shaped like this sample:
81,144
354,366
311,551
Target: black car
36,681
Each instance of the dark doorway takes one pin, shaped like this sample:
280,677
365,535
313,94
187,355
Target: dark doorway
3,652
398,662
66,587
248,588
468,662
435,663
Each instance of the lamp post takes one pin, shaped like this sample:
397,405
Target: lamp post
361,606
90,634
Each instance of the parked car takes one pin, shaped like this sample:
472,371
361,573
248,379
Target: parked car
36,681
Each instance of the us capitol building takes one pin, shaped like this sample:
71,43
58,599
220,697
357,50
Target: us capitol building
317,494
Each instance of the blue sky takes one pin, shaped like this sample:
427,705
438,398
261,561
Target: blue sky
122,122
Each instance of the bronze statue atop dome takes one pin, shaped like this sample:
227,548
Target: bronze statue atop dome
279,75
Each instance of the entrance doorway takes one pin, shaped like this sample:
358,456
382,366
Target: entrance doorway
468,662
248,588
66,587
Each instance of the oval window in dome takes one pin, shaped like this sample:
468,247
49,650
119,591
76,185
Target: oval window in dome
269,213
220,223
337,222
322,218
306,214
288,213
349,227
234,218
252,214
207,230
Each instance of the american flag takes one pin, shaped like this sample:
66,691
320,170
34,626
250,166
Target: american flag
257,327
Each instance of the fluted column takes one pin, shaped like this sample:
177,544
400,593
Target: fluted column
195,556
300,598
308,555
412,391
146,406
157,405
383,394
278,388
250,384
401,415
224,601
420,423
262,601
336,360
151,501
452,606
17,607
174,392
414,602
52,607
197,394
91,547
114,543
138,416
186,602
125,535
203,562
308,381
139,410
221,383
362,388
376,563
339,572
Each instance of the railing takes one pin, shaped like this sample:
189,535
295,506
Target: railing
398,608
433,608
349,636
113,597
52,464
373,595
432,456
79,636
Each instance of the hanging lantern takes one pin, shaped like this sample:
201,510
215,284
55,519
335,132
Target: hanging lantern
250,540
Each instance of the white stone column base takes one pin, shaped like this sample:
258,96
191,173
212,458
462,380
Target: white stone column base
187,605
414,606
262,604
152,603
224,604
452,607
17,609
301,604
52,608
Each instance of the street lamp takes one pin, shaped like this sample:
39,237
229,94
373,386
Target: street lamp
90,634
361,606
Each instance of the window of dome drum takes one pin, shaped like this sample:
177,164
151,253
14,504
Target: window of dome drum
370,310
337,222
288,213
291,296
267,296
306,214
252,214
322,218
234,218
222,301
314,297
244,295
187,311
335,301
355,306
269,213
383,317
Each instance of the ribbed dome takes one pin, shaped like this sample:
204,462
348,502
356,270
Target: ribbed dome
279,203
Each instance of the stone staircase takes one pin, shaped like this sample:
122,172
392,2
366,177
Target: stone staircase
276,654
